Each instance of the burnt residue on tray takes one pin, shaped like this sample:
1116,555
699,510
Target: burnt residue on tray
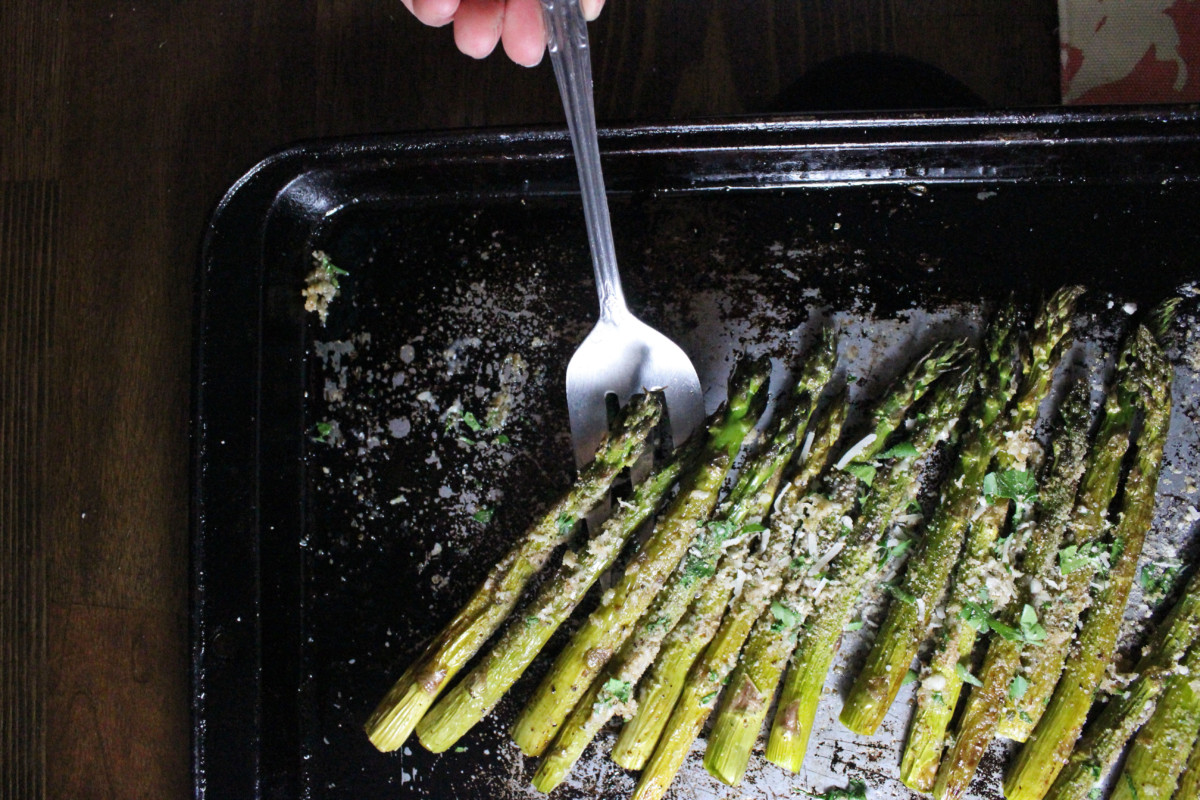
383,462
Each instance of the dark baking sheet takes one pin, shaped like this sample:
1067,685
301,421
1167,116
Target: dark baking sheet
314,566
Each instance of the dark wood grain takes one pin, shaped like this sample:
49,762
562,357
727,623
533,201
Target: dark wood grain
121,123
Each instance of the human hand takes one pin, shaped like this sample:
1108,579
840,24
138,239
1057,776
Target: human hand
480,24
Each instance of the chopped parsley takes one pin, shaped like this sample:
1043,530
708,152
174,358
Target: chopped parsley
976,615
323,431
1155,582
565,524
1075,557
708,698
900,450
502,439
864,472
888,552
909,677
853,626
1011,484
618,689
900,594
484,515
979,617
1031,629
1018,687
460,749
965,675
469,420
784,616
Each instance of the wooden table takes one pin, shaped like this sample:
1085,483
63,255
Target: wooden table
121,124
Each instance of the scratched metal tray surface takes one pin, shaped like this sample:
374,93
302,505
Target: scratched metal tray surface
343,509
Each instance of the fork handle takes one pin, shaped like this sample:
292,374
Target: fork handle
567,38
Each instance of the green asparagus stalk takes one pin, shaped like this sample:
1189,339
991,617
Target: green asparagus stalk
1189,783
1161,748
476,695
692,622
660,690
707,676
745,702
610,694
1080,560
680,529
1042,540
1007,441
894,487
1042,757
404,705
1102,743
904,628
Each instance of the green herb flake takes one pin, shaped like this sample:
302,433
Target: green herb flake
864,472
719,530
323,431
1157,583
965,675
484,515
1031,629
530,621
618,689
1018,687
469,420
975,615
1028,720
502,439
900,450
853,626
1006,631
1070,560
1018,485
708,698
565,524
900,594
460,749
909,677
784,616
753,527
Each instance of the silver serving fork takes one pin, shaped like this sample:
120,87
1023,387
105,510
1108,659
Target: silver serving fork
622,355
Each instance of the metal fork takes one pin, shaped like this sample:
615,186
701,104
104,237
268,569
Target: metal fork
622,355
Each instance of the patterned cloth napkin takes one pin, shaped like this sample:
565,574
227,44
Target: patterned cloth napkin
1130,51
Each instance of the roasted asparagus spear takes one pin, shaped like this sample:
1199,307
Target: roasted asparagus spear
404,705
895,486
679,530
1101,745
661,687
1041,758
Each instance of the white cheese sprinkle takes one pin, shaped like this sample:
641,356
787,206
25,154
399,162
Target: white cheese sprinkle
855,450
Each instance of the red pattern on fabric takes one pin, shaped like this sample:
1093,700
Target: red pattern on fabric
1149,81
1152,80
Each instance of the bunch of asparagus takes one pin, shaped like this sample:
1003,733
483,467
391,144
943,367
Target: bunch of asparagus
721,599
